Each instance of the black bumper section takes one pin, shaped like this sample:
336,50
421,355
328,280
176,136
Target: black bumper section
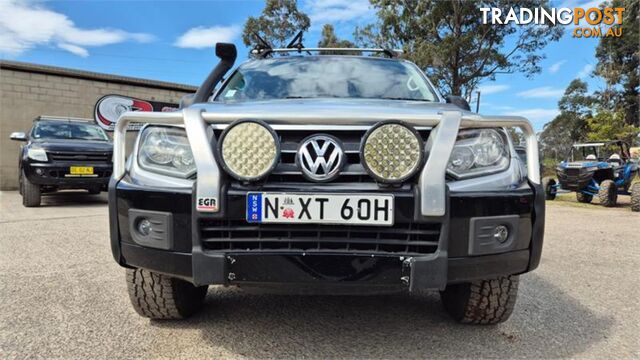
449,264
309,269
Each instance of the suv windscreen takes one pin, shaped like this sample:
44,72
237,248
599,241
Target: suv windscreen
54,130
326,76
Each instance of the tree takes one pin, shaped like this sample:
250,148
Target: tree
571,124
449,39
279,22
609,125
329,39
619,62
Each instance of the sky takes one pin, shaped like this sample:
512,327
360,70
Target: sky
173,41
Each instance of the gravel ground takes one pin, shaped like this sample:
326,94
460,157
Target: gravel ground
62,295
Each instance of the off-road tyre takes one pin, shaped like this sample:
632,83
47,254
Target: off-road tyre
635,197
608,194
489,301
31,194
161,297
584,198
547,185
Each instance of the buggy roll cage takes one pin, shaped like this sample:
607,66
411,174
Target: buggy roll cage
624,148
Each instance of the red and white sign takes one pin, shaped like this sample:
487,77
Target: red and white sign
109,108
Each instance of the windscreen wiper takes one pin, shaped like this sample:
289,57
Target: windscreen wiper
403,98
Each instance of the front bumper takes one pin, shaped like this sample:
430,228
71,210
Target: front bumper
458,257
56,174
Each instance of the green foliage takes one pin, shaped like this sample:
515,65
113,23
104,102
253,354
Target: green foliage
329,39
570,125
279,22
450,41
619,64
608,125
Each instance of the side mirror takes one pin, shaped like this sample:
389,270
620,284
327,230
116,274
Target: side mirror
458,101
18,136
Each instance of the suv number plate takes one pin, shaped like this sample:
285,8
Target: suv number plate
363,209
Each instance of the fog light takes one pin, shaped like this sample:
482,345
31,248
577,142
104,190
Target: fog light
39,172
144,227
501,233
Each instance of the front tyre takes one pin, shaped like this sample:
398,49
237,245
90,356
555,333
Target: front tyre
489,301
548,184
31,193
159,296
635,197
608,194
584,198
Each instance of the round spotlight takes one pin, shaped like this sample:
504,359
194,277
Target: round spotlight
392,152
249,150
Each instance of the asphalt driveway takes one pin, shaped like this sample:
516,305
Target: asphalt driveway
62,295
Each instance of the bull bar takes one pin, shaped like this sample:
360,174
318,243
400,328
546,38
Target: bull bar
432,186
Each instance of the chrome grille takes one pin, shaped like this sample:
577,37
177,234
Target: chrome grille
80,157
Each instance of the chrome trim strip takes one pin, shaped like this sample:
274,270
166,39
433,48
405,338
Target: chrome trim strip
433,197
202,146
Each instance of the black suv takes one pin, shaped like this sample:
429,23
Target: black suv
325,174
63,153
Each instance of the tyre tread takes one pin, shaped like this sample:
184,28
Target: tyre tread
158,296
488,301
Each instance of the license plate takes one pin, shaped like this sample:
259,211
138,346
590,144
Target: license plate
363,209
81,170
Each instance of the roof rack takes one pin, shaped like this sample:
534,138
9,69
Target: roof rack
262,53
63,118
264,49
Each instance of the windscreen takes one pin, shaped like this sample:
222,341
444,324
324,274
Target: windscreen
326,77
58,130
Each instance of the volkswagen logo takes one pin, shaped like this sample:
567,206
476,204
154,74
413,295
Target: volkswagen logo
320,157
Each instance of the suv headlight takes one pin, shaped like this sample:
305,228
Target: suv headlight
249,150
37,154
478,152
392,152
166,150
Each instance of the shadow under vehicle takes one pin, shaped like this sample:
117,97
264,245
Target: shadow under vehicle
63,153
603,169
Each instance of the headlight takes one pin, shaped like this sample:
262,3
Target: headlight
478,152
392,152
37,154
166,151
249,150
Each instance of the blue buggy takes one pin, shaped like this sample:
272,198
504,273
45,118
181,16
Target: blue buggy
603,169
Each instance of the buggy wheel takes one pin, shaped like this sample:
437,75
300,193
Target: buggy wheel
635,197
584,198
548,185
608,194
